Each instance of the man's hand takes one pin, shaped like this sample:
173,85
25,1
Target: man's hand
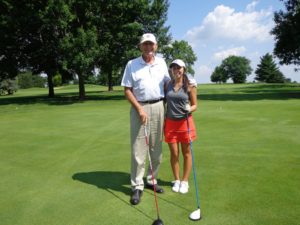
143,116
131,98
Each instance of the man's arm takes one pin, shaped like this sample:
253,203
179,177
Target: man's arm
131,98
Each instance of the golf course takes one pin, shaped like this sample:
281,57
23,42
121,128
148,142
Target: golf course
67,162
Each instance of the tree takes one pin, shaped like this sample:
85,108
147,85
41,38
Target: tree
180,50
44,54
118,40
81,51
287,33
10,56
30,33
51,36
218,75
267,71
153,20
237,68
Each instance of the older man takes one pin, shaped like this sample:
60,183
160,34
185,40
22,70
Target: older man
143,81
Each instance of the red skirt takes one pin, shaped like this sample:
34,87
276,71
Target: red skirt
177,130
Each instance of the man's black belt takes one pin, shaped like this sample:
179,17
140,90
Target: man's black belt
151,101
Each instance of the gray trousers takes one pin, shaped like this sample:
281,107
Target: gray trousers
139,147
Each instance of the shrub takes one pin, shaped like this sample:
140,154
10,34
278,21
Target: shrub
25,80
8,87
57,80
28,80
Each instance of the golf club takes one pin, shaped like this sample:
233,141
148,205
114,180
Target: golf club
158,221
195,215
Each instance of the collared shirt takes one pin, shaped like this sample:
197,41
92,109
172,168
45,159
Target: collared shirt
146,80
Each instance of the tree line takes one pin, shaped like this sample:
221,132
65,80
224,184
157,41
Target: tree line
71,37
75,37
237,69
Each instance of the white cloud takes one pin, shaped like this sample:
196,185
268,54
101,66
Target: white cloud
289,72
225,23
251,7
233,51
202,74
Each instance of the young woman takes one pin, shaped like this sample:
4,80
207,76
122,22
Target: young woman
181,98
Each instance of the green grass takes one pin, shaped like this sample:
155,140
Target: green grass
67,162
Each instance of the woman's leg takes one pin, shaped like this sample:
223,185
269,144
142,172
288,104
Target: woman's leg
187,161
174,159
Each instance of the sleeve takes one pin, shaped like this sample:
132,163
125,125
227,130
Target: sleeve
167,77
192,80
127,76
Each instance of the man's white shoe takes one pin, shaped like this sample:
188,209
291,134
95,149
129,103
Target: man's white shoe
184,187
176,185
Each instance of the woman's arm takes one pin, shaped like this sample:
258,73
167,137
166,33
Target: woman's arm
193,98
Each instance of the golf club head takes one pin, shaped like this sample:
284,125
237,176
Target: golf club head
158,222
196,215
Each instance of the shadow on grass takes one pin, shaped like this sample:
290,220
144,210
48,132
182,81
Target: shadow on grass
111,182
107,180
238,93
249,97
253,93
63,98
115,181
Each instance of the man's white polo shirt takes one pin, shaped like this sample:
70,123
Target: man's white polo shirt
147,81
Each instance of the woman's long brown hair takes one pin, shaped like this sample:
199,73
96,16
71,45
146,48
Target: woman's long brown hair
185,82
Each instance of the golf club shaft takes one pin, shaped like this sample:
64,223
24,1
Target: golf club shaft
193,162
152,175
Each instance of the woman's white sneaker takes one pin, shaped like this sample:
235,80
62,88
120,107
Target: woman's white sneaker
184,187
176,185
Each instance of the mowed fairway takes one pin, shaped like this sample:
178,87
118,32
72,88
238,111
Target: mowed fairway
67,162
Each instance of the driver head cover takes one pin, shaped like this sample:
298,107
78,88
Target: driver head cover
196,215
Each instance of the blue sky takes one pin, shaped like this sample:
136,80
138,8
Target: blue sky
216,29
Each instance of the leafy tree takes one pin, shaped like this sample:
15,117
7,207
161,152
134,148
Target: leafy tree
153,20
31,32
10,47
81,52
287,33
52,20
276,77
237,68
218,75
121,25
55,35
180,50
267,71
119,30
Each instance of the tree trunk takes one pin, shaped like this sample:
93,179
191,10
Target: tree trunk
110,83
81,87
50,75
